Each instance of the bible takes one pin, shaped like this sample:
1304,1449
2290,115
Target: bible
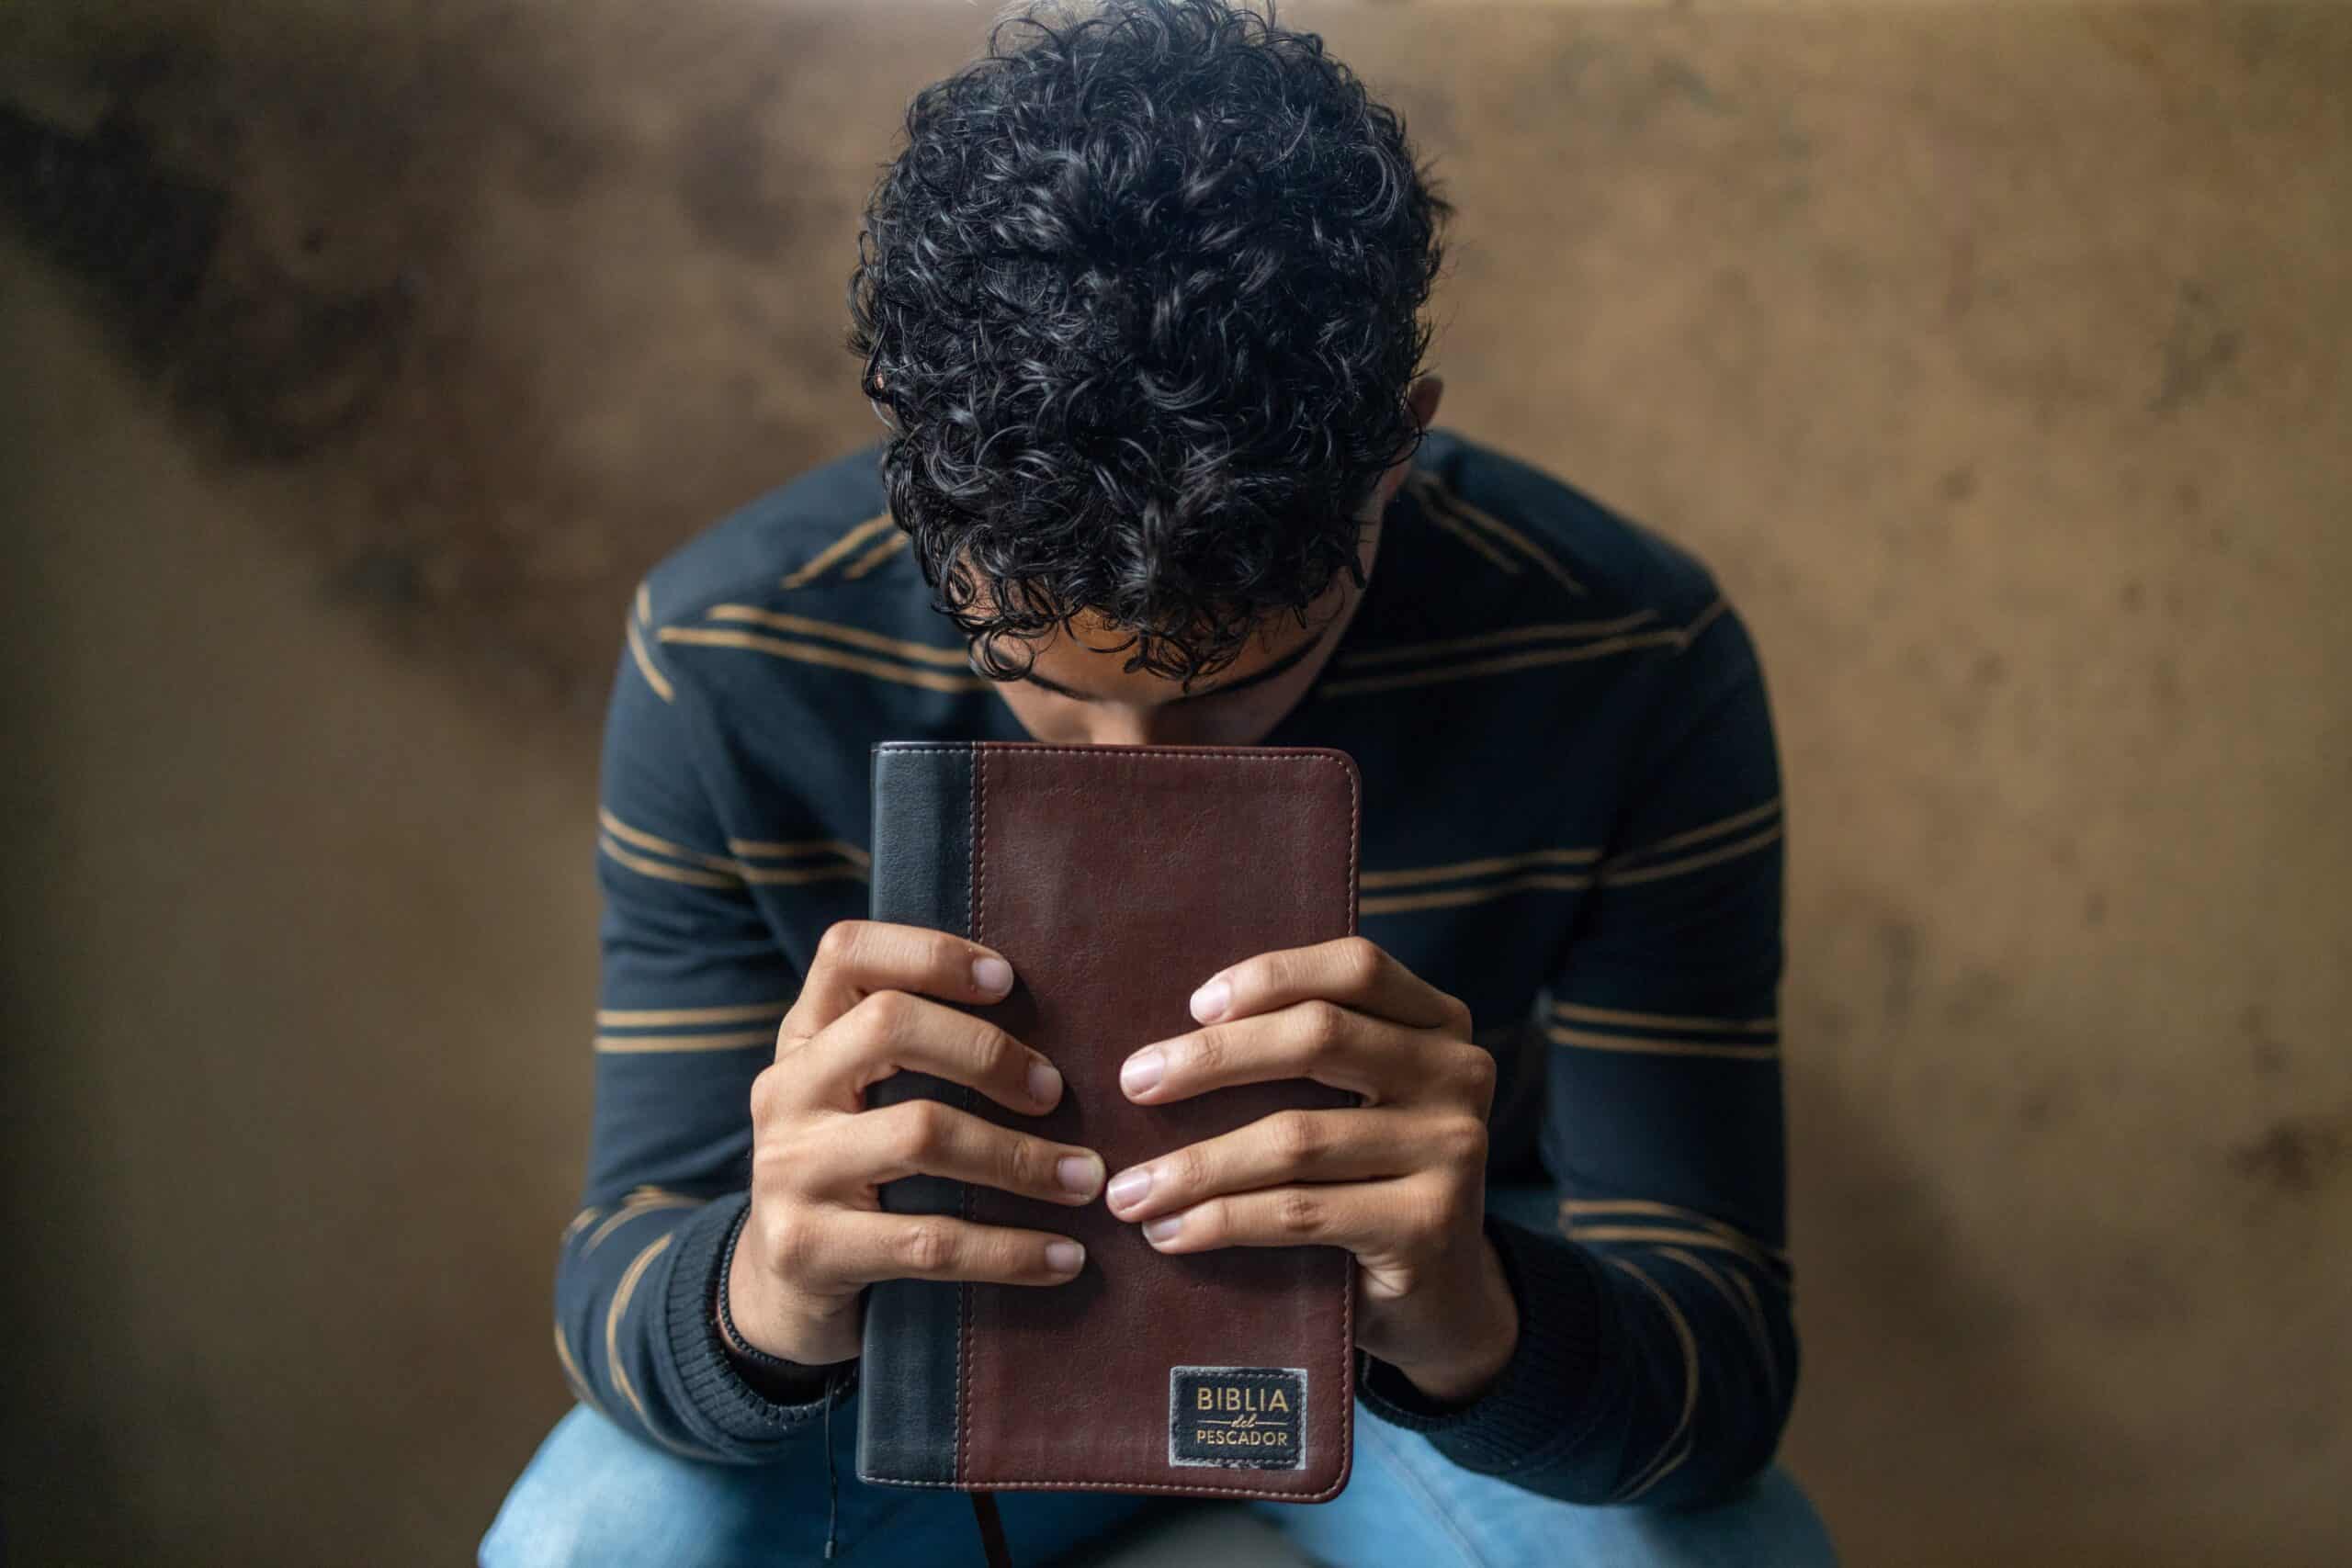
1115,879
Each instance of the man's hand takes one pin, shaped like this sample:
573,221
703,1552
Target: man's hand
1400,1181
816,1233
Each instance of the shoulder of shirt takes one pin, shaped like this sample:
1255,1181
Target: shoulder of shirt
818,555
1608,564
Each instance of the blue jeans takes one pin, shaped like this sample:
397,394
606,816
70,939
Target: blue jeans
595,1497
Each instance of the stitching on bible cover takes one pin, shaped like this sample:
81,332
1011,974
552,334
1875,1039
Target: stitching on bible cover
974,919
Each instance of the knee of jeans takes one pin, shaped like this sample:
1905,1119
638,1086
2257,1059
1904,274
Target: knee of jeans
542,1525
525,1534
594,1496
513,1540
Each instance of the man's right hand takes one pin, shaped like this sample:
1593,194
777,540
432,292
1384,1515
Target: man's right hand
816,1235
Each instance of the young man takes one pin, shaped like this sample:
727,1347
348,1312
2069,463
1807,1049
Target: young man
1141,306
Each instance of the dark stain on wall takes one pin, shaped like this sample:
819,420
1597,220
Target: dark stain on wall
2294,1155
98,206
265,365
352,257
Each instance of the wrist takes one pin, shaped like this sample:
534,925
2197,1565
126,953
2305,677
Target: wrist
1481,1331
1560,1380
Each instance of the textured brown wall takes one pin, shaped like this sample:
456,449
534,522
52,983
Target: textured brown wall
1996,358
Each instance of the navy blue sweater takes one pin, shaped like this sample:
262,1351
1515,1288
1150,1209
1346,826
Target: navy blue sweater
1571,821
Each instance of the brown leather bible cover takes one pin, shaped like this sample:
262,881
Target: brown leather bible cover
1116,879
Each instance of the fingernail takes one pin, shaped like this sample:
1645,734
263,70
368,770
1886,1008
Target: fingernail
1143,1070
1064,1257
992,974
1208,1002
1163,1228
1045,1082
1080,1174
1128,1187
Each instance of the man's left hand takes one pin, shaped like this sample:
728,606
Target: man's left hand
1398,1180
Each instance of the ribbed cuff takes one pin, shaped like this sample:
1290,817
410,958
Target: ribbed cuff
1543,1394
708,1378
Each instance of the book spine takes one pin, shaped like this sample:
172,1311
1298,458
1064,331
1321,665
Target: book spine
911,1355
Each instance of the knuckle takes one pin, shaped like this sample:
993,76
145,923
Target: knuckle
1297,1137
838,943
791,1244
997,1053
1012,1255
887,1012
1187,1170
1474,1071
772,1166
765,1088
1363,960
1208,1053
1447,1208
1025,1163
1298,1212
1462,1140
780,1157
923,1246
1458,1015
1322,1024
922,1130
769,1234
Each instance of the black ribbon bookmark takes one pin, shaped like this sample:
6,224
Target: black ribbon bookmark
991,1529
992,1541
832,1485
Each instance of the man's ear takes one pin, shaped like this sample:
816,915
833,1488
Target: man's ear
1423,399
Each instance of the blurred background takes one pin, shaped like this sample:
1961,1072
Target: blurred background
360,359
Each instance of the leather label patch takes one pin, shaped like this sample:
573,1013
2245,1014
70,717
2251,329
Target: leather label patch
1237,1418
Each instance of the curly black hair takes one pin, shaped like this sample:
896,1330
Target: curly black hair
1142,298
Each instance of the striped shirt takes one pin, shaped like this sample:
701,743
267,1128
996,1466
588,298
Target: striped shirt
1571,821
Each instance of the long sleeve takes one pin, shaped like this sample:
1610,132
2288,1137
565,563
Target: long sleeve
1658,1357
693,985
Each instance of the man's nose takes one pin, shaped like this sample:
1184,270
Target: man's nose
1112,723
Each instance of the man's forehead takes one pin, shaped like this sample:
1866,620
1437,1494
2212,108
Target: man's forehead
1086,657
1094,631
